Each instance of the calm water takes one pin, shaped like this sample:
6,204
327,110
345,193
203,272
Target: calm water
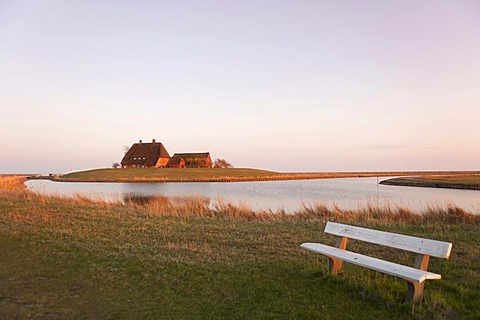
347,193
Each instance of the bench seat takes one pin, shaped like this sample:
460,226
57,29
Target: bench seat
404,272
414,276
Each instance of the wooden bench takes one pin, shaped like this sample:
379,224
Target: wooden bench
415,277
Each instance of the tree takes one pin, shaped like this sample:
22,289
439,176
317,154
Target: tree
222,163
115,165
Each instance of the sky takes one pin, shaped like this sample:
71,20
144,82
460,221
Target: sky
288,86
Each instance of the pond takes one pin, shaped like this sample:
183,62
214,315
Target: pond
291,195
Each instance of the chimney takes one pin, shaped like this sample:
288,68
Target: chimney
140,142
153,140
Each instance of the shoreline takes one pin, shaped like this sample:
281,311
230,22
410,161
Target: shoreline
217,179
416,183
186,176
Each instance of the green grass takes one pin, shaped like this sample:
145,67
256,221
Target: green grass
168,174
209,174
72,258
458,181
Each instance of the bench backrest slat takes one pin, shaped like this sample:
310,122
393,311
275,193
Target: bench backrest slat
434,248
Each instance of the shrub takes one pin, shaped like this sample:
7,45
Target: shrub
222,163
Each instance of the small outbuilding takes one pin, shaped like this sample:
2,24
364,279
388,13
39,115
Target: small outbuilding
195,160
176,162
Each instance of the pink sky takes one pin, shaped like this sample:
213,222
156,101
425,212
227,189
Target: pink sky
280,85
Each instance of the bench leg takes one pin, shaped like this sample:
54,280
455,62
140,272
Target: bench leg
415,292
335,265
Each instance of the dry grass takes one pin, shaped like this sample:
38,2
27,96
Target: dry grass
390,214
197,207
12,187
12,183
203,208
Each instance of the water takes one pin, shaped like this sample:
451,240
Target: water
291,195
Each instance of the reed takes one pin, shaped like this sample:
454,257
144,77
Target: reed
12,183
198,207
13,187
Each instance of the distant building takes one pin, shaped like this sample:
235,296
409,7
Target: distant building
146,155
195,160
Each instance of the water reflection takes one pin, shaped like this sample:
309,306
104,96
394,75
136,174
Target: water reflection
291,195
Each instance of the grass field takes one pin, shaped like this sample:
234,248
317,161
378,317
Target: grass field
457,181
210,174
162,259
166,174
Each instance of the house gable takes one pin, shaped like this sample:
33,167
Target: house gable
148,155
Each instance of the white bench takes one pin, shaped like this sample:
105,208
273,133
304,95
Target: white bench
415,277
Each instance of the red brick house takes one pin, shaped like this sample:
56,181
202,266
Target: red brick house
146,155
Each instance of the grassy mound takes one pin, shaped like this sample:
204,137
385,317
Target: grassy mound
210,175
167,174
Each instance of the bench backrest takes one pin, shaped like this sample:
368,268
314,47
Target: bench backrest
434,248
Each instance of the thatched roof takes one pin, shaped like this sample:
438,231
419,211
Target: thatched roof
145,154
192,155
201,159
175,160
